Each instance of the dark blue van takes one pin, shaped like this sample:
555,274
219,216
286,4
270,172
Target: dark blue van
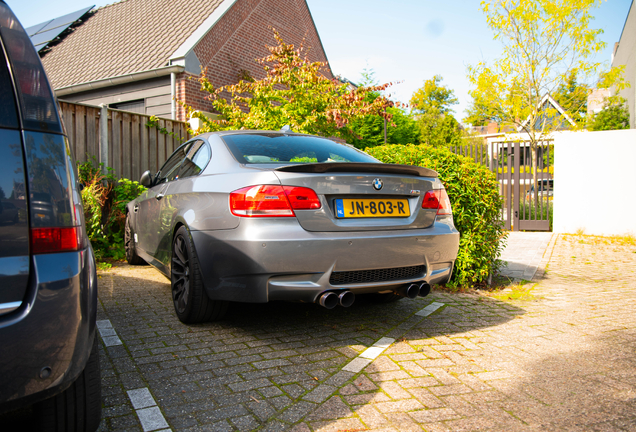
48,286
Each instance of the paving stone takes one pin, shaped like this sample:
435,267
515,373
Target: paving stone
245,423
296,411
561,361
320,393
334,408
249,385
338,425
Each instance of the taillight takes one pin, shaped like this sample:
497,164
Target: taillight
49,240
272,201
437,199
302,198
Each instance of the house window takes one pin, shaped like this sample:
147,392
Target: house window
137,106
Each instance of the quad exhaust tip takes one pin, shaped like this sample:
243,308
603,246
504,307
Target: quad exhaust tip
330,299
414,290
425,289
346,298
411,291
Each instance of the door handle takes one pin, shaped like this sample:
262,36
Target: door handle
159,196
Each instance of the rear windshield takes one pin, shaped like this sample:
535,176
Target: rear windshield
282,148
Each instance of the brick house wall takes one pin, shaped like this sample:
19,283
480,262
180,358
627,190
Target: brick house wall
240,37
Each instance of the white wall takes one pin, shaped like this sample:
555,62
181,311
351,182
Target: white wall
595,182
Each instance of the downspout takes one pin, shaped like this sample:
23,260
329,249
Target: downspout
173,95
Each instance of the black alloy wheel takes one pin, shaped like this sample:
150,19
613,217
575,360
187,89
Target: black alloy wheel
191,303
129,244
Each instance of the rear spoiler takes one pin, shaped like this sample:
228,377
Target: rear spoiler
359,167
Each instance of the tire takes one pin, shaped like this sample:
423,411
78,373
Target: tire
191,303
129,244
79,407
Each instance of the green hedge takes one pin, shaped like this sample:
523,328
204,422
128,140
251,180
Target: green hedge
474,194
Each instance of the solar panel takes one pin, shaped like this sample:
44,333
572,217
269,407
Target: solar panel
34,29
43,33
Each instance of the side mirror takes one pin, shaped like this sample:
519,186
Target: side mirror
146,179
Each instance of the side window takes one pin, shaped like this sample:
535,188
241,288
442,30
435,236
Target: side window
8,112
197,159
170,169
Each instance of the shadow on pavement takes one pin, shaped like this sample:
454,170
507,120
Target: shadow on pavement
288,349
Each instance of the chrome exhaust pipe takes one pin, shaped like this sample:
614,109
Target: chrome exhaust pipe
411,291
329,300
346,298
425,289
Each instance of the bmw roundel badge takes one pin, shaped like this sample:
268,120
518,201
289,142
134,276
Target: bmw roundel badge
377,184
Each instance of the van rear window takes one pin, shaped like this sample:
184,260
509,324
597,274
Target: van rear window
38,108
274,148
8,112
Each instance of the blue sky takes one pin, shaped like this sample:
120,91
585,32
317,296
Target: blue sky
405,41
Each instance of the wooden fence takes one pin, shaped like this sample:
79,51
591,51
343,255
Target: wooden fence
123,142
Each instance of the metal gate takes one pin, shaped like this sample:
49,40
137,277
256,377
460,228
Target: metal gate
527,192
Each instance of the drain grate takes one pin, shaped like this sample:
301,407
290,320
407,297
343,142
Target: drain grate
377,275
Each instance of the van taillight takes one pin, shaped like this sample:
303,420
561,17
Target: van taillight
58,239
437,199
272,201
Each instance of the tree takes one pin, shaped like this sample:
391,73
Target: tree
403,129
614,116
544,43
295,93
433,98
431,106
370,129
572,96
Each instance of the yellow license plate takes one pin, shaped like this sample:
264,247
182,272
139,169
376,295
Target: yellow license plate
372,207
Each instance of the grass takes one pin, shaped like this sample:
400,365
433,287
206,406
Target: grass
508,289
104,265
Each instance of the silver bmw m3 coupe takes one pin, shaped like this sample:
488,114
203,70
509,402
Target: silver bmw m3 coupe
256,216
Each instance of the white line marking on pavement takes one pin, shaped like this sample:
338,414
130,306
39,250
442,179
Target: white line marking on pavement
108,334
429,309
141,398
372,353
368,355
147,410
151,419
356,365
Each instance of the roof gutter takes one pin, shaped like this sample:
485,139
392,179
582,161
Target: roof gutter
117,80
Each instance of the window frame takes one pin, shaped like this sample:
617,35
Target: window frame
190,157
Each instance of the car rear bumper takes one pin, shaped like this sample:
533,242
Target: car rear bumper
46,342
265,260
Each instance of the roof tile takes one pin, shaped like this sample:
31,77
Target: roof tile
125,37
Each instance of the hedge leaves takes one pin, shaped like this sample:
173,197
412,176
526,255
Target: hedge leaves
474,194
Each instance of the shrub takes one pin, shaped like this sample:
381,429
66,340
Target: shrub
474,194
105,198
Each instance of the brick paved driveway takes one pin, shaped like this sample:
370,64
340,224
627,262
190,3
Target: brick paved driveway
563,361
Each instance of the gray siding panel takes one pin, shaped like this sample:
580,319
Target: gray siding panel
159,111
156,93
